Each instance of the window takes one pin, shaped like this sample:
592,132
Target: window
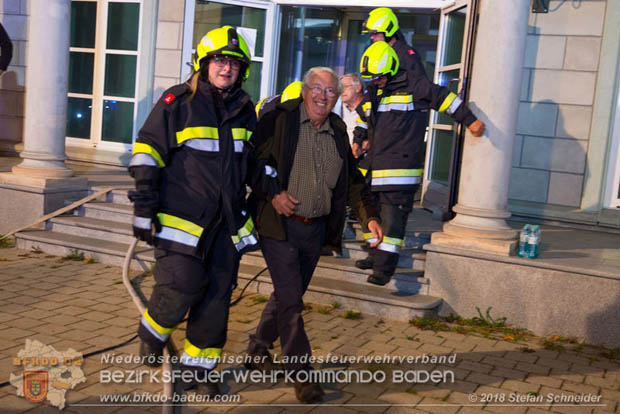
103,71
211,15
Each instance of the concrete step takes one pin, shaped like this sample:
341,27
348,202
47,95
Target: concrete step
367,299
102,250
335,268
122,213
92,227
332,282
110,178
115,196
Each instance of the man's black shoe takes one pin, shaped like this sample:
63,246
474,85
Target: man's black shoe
208,388
380,280
365,264
151,356
308,393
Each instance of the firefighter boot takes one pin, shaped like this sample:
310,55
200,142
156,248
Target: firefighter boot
366,263
152,356
378,279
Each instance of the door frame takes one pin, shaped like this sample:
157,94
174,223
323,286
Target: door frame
612,187
272,28
436,195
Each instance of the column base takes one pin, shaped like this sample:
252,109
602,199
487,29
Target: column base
24,199
478,229
22,178
505,247
56,169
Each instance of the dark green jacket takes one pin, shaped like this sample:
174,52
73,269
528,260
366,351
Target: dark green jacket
275,141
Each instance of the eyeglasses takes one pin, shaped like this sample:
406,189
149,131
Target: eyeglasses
221,61
318,91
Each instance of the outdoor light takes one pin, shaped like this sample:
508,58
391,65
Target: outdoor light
540,6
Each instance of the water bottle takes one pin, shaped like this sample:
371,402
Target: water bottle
523,236
533,242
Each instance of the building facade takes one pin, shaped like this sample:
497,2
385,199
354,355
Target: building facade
125,53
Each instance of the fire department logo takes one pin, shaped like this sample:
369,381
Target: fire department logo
235,42
46,374
35,385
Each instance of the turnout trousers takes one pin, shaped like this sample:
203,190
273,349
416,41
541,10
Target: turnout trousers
395,207
291,264
203,287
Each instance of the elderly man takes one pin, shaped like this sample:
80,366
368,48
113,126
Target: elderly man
352,95
316,171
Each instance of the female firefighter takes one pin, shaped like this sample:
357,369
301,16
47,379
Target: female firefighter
190,163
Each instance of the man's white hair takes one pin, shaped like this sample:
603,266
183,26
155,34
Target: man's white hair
318,69
355,78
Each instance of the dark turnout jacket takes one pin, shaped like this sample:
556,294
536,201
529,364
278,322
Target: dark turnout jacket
387,119
275,141
195,155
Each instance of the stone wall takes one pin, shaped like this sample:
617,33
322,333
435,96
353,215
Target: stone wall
13,15
169,46
557,98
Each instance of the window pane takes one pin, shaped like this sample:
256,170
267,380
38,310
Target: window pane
453,41
357,43
81,72
308,38
78,118
211,15
123,22
117,121
120,75
442,152
252,85
83,23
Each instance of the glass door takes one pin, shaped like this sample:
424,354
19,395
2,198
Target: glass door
103,71
442,155
355,42
332,36
253,19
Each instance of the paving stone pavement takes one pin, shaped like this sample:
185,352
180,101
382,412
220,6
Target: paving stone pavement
73,304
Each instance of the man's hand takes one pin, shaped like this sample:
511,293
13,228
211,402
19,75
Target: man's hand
284,203
356,149
359,150
376,231
477,128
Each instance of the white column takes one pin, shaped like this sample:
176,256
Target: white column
480,222
47,76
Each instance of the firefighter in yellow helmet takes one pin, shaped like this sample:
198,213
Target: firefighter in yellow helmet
395,135
382,25
191,162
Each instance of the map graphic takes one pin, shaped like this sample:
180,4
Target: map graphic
47,373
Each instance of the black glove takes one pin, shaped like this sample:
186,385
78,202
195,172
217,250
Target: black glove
146,205
143,228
